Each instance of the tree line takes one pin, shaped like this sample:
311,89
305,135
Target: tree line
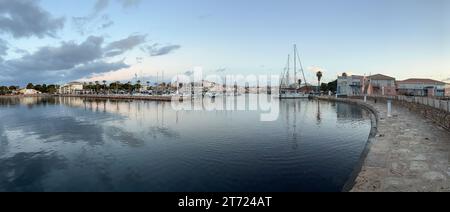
5,90
50,89
117,86
332,86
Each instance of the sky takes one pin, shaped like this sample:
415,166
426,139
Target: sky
54,41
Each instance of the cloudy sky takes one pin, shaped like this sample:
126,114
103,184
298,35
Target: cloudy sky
54,41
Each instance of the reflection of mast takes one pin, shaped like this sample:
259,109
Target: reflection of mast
163,107
287,115
319,115
295,126
157,112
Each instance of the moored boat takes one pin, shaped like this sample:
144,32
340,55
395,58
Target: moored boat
293,90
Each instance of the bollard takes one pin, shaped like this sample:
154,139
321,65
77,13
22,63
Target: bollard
365,98
389,108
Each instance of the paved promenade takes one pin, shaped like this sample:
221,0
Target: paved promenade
408,154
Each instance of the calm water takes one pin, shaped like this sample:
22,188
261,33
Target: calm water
72,144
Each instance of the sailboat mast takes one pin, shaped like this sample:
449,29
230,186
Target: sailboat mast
288,70
295,63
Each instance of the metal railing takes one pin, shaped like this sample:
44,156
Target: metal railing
427,101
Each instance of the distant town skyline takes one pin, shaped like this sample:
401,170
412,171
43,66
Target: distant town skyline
52,41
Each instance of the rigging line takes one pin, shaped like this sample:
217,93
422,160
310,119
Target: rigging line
287,72
295,64
283,79
301,66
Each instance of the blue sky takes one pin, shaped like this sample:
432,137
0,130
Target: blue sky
402,38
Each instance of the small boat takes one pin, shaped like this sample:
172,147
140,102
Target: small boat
211,94
293,95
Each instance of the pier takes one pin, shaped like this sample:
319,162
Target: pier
407,152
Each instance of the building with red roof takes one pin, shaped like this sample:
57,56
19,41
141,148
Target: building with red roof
421,87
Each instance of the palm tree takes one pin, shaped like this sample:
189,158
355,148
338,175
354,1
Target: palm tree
117,86
97,85
319,77
130,87
104,85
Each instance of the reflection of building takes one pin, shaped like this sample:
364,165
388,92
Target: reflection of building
349,85
347,112
72,88
421,87
29,92
380,85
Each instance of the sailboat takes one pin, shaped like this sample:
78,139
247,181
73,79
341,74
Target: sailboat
289,89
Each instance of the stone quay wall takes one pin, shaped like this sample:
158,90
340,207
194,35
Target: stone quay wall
433,109
371,139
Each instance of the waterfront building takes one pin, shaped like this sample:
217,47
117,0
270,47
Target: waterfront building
349,85
447,89
380,85
308,88
72,88
421,87
28,92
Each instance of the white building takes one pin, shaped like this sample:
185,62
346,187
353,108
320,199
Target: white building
421,87
29,92
380,84
72,88
349,85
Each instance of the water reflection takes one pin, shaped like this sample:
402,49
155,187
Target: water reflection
319,115
346,113
27,171
76,144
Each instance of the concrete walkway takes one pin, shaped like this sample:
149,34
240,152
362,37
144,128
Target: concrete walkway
409,154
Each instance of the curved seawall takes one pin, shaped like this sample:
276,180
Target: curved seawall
404,152
371,139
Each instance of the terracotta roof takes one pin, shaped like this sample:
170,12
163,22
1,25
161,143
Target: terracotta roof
75,83
380,77
357,77
421,81
351,77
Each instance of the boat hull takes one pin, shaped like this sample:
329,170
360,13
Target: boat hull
293,96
